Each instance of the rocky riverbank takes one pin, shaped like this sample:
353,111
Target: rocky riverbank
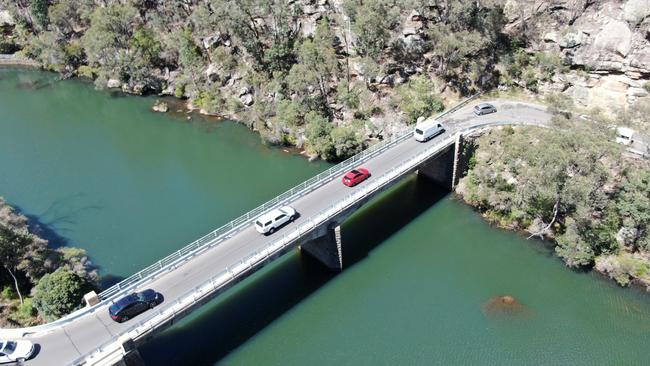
331,75
574,188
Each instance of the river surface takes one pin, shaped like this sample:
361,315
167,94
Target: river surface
98,170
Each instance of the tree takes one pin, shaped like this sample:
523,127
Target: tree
632,205
372,21
108,42
60,293
418,98
21,253
318,136
346,142
39,11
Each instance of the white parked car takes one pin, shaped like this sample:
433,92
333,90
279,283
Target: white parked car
271,221
15,351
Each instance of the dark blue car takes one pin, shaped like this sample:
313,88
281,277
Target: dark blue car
134,304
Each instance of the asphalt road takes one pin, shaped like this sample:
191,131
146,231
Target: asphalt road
63,345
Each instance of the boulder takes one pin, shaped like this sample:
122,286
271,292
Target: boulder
6,19
503,305
634,11
247,99
614,37
160,107
113,83
571,40
212,72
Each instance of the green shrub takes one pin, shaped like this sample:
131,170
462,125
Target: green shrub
8,293
60,293
646,86
418,98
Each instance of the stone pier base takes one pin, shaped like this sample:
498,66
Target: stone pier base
131,355
327,248
440,168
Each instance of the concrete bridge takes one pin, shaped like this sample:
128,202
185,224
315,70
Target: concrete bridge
207,267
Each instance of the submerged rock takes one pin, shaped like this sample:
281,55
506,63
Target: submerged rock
160,107
503,305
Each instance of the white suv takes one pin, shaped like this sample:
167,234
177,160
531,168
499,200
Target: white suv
270,221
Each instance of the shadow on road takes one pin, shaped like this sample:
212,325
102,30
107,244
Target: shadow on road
229,321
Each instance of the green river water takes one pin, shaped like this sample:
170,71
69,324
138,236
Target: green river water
100,171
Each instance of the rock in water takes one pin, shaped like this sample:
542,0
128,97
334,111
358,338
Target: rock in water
160,107
503,304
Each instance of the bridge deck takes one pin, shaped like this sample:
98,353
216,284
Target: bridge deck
84,335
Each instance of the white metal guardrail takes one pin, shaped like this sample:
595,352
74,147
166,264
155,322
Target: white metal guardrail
105,354
228,230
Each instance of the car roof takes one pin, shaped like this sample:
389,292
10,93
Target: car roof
272,214
123,302
482,105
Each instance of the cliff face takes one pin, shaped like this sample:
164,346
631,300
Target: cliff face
605,42
239,61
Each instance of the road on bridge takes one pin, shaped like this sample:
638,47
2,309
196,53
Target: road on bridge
67,343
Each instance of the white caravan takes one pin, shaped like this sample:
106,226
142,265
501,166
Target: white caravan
427,130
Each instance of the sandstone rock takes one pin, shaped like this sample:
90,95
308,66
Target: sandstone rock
113,83
637,92
6,19
160,107
247,99
572,39
634,11
503,305
551,37
212,72
614,37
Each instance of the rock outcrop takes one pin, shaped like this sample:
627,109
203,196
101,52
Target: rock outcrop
605,42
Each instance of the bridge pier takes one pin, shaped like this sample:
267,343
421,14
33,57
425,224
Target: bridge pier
130,354
439,169
327,248
446,168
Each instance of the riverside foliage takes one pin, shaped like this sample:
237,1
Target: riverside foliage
570,184
276,63
37,279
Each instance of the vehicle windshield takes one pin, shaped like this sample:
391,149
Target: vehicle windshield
418,131
258,223
9,348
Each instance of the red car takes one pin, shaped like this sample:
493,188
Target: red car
355,177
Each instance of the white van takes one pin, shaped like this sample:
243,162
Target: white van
427,130
270,221
624,135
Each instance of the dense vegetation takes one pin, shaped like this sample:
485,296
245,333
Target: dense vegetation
293,70
37,282
570,184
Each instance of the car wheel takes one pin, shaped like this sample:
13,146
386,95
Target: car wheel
125,318
271,230
152,304
293,218
20,360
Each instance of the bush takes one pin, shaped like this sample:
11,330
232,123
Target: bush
318,135
60,293
346,142
646,86
418,98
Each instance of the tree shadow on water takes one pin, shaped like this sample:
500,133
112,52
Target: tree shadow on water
243,311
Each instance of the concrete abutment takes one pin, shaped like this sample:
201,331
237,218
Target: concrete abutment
327,248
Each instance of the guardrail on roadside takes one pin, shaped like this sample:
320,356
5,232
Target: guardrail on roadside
228,230
108,349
